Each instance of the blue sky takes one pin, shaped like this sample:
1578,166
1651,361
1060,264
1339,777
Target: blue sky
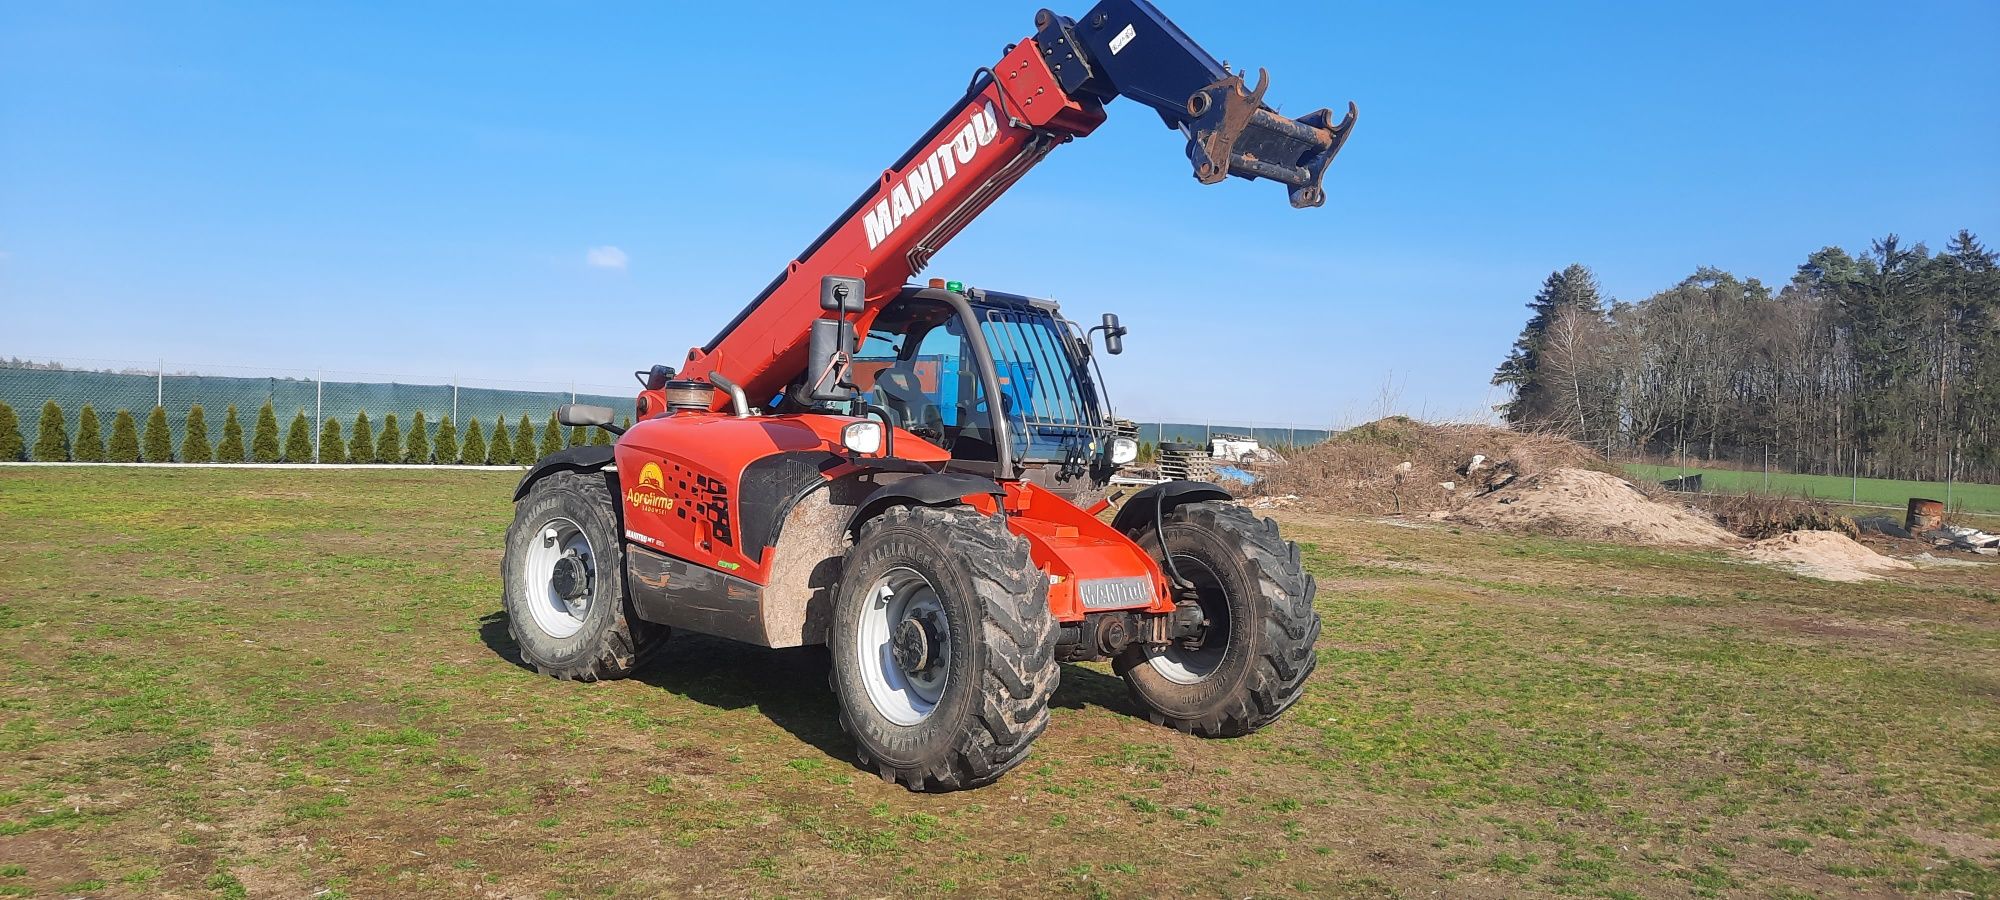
419,190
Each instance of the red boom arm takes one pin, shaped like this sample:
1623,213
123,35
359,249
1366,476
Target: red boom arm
1045,91
1010,119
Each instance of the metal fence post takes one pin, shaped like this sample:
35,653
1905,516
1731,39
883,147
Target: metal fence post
160,384
1950,472
319,410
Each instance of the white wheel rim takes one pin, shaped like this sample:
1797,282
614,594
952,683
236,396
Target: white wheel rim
898,596
554,540
1181,665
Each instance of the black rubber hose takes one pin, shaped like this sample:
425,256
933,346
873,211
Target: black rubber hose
1160,525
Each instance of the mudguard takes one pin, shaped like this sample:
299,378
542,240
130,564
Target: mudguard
584,458
1138,512
923,490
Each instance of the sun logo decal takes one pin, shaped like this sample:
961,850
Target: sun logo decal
650,494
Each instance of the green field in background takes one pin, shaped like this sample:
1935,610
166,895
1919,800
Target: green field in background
1979,498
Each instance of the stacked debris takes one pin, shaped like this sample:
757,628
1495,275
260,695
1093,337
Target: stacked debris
1957,538
1189,462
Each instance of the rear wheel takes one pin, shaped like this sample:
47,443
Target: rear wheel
1250,661
565,582
943,648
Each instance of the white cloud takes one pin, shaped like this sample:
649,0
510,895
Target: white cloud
605,258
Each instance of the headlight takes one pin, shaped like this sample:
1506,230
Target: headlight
862,437
1124,451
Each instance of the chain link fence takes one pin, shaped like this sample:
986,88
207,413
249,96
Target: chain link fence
326,400
332,402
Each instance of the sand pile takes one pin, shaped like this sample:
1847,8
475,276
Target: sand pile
1592,505
1400,466
1823,554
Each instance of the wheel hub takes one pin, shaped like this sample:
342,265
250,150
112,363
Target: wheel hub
570,579
914,645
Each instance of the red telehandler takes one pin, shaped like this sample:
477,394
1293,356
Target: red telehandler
895,471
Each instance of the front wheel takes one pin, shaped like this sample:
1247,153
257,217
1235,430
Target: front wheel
565,582
943,648
1250,661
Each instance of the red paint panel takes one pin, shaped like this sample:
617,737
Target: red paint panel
1072,545
679,478
983,148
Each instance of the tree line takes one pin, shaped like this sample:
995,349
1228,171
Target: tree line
360,441
1884,363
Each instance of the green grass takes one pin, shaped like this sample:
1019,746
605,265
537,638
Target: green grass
1975,498
229,683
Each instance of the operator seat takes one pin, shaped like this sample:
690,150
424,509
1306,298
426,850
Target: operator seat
903,396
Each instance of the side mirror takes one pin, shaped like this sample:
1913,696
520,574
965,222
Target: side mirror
842,294
575,414
1114,334
656,377
829,349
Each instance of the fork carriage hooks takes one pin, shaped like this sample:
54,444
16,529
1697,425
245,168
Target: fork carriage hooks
903,644
561,572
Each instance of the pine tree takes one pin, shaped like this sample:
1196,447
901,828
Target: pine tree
89,436
447,443
500,450
264,442
474,451
231,449
389,447
298,439
552,436
332,449
12,447
124,438
52,439
418,448
361,447
1573,288
524,443
577,436
159,440
194,437
599,437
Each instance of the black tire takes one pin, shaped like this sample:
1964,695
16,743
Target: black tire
610,641
1246,574
997,675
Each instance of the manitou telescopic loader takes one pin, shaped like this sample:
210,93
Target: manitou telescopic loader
895,471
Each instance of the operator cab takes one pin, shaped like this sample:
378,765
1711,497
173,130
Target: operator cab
920,366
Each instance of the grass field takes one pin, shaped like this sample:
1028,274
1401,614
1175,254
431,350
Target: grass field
1976,498
271,683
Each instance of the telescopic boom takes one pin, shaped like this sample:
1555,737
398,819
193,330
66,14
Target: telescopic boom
1046,90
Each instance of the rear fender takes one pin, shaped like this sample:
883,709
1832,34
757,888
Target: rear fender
1139,512
585,458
